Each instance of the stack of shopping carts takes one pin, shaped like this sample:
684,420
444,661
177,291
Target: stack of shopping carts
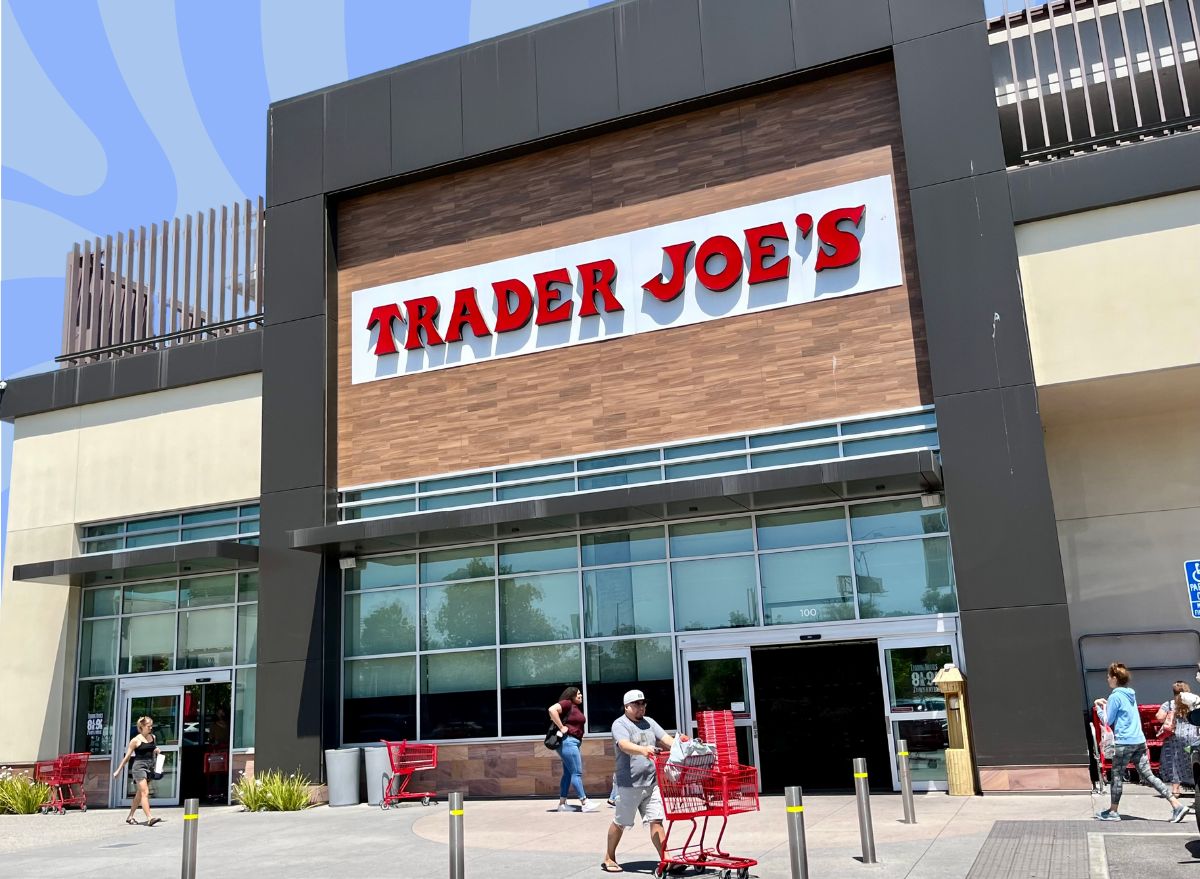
716,728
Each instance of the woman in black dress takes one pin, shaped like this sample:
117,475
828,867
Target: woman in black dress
143,749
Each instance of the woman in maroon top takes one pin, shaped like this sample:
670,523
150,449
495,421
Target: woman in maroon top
567,714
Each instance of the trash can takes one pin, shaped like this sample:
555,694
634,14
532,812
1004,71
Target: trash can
377,765
341,774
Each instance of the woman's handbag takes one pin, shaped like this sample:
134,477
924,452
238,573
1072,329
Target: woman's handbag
553,739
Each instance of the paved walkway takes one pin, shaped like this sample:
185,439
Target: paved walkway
1031,837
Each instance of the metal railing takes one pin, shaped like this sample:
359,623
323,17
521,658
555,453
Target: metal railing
1073,76
181,283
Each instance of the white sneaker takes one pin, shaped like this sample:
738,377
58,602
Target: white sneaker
565,808
589,807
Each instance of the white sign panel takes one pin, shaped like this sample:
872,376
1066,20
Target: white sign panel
816,245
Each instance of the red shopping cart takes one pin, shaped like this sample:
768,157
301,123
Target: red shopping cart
65,776
696,793
407,758
1154,742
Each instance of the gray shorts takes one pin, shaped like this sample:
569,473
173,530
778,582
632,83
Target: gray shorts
631,800
140,770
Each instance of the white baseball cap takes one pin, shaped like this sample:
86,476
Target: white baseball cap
634,696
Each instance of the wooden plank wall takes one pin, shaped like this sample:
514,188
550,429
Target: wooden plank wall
826,359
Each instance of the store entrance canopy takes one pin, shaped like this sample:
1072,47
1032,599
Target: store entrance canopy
138,564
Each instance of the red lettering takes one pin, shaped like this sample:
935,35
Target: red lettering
547,311
511,317
804,224
665,290
598,277
422,312
760,251
466,311
719,245
384,315
846,248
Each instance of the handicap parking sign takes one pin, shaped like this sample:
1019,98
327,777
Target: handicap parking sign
1191,573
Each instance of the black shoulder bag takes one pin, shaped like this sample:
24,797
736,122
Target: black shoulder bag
553,739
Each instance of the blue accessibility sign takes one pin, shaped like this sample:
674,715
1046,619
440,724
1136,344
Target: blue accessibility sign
1191,573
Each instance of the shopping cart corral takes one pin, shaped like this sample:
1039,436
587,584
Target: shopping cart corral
405,759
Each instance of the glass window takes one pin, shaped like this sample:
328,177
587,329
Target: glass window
895,519
102,602
541,608
458,615
927,740
98,647
808,586
149,597
529,556
462,499
243,716
458,695
623,547
450,482
875,445
380,701
606,461
392,508
95,715
147,643
802,528
371,494
616,666
625,477
248,586
708,448
890,422
712,537
704,468
152,524
715,593
910,677
110,545
794,456
786,437
380,573
533,472
535,489
247,634
381,622
905,578
627,601
463,563
208,532
531,680
201,516
99,530
202,591
206,638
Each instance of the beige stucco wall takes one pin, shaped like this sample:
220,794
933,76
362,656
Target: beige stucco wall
188,447
1113,291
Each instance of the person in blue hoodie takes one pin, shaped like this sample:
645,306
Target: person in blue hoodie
1120,711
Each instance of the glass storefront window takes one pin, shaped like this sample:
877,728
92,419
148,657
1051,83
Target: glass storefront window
711,537
900,518
616,666
380,573
910,673
458,695
463,563
623,547
531,680
381,622
807,586
380,700
715,593
247,634
149,597
206,638
102,602
458,615
248,586
201,591
95,714
529,556
98,647
541,608
905,578
626,601
245,692
802,528
148,643
927,740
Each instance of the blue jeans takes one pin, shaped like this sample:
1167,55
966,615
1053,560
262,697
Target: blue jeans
572,768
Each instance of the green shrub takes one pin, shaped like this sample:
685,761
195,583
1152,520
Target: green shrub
20,794
272,791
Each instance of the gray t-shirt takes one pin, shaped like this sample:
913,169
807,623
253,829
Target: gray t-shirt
635,771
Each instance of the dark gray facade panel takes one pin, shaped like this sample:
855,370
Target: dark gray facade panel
948,106
290,582
823,32
97,383
499,94
998,496
658,53
913,19
238,354
295,261
136,375
1024,689
288,717
1117,175
970,291
576,72
295,148
358,133
427,124
293,417
744,43
102,562
66,385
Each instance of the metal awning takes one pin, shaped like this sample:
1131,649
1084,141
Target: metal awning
846,479
136,564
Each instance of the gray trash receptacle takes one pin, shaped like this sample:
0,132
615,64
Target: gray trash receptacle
341,774
377,765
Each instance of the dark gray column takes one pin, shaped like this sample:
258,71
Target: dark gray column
1019,654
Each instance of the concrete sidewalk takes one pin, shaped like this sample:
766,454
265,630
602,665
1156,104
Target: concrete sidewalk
954,837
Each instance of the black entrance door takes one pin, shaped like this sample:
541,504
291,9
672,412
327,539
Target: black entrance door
819,706
204,765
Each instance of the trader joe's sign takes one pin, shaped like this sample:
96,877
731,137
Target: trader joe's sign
816,245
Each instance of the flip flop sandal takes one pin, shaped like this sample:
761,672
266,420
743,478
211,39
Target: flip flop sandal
130,821
153,821
609,868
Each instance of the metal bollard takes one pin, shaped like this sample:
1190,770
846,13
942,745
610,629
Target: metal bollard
910,812
794,798
191,826
863,795
457,855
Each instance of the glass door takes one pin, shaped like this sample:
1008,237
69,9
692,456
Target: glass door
721,680
916,711
163,705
